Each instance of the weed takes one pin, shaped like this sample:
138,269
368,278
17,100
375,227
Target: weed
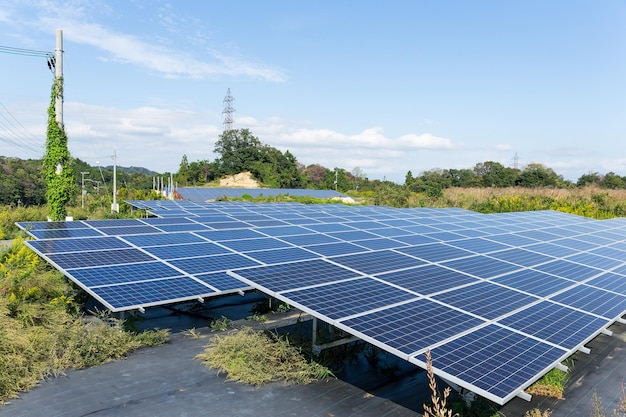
221,324
535,412
257,358
438,408
597,410
260,318
193,333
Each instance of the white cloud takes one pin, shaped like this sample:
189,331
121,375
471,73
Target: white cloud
127,49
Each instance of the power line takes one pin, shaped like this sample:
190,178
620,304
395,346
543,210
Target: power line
26,52
15,134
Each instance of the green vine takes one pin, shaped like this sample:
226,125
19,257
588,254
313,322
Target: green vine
57,162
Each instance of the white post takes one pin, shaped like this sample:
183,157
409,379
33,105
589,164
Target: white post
82,187
115,207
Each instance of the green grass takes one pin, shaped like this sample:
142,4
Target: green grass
551,384
42,330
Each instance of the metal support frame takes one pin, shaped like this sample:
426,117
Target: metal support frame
317,348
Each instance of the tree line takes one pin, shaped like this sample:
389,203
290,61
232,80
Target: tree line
22,181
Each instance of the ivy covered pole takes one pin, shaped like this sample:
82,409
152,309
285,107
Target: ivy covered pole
57,162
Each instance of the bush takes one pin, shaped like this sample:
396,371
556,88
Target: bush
258,358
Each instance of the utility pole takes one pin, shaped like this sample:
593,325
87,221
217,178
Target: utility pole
82,188
115,207
58,74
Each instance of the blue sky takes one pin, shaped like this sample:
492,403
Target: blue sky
384,86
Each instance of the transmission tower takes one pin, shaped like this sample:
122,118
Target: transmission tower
516,161
228,111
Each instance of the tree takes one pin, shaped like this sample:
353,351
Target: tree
315,174
57,162
182,177
537,175
237,150
591,178
494,174
613,181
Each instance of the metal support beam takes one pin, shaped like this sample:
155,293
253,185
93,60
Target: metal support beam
524,396
562,367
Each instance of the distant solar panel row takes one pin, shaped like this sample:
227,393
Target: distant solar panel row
498,299
202,194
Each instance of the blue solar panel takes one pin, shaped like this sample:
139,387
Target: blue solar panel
435,252
114,223
481,266
63,233
427,279
610,252
187,227
413,326
329,227
611,282
551,249
353,235
560,325
569,270
284,231
189,250
593,300
213,263
377,262
282,255
485,299
479,245
148,293
393,232
577,244
380,243
334,249
295,275
157,221
495,360
71,260
222,235
50,225
222,281
245,245
521,257
76,245
347,298
163,239
420,229
511,239
128,230
534,282
117,274
595,261
312,239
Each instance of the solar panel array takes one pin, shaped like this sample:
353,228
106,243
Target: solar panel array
203,194
499,299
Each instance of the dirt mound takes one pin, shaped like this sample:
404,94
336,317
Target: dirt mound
241,180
